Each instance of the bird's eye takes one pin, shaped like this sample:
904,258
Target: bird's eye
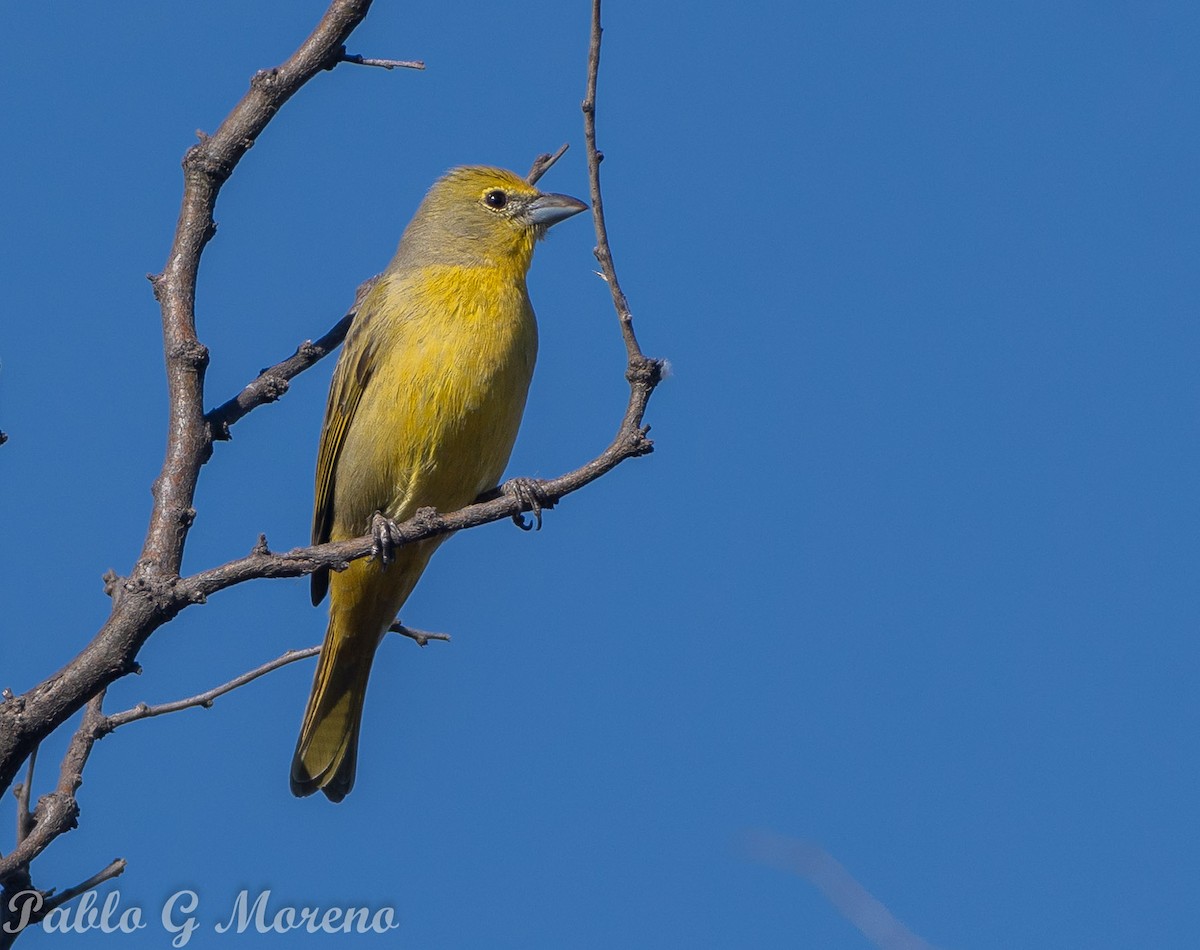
495,199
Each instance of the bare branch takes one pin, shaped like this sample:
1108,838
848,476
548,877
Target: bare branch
359,60
629,442
544,162
422,637
114,869
272,383
205,699
594,158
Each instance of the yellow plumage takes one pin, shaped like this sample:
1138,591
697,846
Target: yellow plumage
423,411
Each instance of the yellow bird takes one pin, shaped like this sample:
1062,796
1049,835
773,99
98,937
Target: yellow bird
423,411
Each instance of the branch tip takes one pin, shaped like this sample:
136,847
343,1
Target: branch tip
420,637
544,162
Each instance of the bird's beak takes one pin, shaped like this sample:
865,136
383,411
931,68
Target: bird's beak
546,210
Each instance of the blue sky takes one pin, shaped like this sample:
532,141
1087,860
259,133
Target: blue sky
911,574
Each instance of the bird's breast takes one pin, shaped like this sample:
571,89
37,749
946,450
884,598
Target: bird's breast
455,349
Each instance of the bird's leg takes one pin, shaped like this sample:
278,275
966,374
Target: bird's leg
530,493
385,535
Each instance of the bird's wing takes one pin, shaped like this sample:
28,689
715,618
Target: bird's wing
350,379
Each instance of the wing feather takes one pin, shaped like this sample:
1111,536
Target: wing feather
354,370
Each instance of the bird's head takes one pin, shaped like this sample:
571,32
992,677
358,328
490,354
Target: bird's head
481,216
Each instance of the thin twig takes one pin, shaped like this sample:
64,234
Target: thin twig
205,699
544,162
272,383
24,817
115,869
595,157
359,60
422,637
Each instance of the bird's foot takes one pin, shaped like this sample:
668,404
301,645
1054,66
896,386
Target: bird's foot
385,537
532,496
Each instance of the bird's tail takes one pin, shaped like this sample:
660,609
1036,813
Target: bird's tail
327,750
363,603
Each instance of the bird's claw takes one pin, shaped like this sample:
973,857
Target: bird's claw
385,536
531,495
